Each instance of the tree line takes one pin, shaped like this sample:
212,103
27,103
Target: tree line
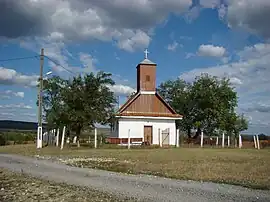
208,104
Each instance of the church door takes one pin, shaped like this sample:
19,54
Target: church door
148,135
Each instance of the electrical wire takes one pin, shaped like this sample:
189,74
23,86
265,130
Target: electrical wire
37,56
56,63
19,58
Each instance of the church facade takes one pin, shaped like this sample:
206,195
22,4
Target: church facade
146,117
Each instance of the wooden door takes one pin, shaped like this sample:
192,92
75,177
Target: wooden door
148,135
166,137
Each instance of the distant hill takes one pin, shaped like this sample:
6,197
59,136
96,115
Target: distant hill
32,126
17,125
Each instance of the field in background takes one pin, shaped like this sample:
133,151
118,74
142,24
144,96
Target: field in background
246,167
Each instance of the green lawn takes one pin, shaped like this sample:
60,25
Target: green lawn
246,167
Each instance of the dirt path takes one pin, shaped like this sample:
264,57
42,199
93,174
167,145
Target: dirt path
143,188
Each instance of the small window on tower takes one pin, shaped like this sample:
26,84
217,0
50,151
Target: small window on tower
147,78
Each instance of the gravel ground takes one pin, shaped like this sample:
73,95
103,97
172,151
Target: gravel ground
141,187
17,187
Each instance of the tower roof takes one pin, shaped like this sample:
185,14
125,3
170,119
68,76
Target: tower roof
147,62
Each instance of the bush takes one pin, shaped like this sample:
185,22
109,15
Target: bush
18,137
2,140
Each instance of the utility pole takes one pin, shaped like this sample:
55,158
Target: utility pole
40,88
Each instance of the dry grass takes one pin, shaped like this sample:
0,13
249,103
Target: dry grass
23,188
246,167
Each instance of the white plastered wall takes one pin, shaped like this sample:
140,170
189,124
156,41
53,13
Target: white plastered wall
136,127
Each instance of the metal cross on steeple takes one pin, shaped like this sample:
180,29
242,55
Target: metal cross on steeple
146,53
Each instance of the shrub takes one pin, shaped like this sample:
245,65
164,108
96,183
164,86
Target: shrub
2,140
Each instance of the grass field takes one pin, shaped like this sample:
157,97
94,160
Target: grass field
23,188
246,167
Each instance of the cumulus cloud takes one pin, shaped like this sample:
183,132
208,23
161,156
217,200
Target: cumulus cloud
11,77
250,15
250,77
210,3
8,93
258,107
13,106
120,89
126,22
173,46
88,62
211,51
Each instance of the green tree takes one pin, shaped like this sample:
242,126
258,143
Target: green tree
53,106
89,101
206,104
214,100
240,125
177,94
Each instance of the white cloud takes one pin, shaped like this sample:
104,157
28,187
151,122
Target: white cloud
120,89
29,114
173,46
250,77
210,3
6,114
189,55
88,62
250,15
19,94
11,77
13,106
126,22
211,50
8,93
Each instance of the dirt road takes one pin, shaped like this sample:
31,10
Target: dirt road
142,187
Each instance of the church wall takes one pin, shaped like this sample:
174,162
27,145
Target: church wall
136,126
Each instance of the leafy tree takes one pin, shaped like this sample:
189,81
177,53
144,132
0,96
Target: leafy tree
89,101
214,100
207,104
177,94
240,125
53,105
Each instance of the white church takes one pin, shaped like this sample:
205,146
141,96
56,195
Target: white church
146,117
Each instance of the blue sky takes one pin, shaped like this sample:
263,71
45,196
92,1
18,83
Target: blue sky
221,37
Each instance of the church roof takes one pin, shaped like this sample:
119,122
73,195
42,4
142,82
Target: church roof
147,62
147,105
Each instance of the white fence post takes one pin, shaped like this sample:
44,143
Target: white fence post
160,137
258,142
74,139
95,138
177,137
63,137
39,137
202,139
228,141
240,141
128,138
57,137
255,141
223,139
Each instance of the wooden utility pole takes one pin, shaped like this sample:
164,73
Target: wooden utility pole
40,88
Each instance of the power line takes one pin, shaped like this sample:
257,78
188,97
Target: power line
19,58
60,65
